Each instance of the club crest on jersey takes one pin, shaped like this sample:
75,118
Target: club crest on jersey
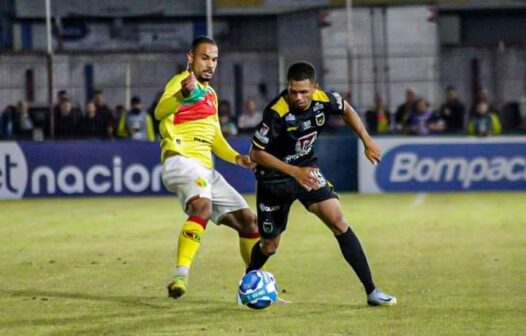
318,106
320,119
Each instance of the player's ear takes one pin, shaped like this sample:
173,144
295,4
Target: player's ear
189,59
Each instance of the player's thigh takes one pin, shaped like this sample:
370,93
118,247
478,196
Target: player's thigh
225,199
330,213
243,221
187,179
273,202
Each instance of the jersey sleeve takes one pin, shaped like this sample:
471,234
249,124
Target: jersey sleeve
268,130
222,148
336,105
171,98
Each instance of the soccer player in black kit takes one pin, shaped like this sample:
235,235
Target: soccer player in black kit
287,170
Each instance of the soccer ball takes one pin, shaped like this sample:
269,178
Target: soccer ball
258,289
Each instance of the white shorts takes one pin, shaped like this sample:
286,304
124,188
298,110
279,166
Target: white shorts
189,179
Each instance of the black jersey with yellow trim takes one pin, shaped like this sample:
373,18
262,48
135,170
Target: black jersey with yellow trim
289,133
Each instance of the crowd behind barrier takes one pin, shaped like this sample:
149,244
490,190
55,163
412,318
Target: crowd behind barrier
414,116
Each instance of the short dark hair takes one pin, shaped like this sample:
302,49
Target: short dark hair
201,40
301,71
135,100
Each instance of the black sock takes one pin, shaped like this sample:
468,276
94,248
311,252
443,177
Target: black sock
257,258
353,253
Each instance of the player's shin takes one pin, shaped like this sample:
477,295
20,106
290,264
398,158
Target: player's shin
257,258
188,243
354,255
246,243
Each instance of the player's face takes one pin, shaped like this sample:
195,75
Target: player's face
300,93
204,61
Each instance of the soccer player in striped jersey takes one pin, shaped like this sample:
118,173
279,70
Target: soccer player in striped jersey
190,133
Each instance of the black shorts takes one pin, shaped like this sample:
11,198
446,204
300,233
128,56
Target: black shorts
274,199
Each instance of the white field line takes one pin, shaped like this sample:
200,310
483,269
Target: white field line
419,199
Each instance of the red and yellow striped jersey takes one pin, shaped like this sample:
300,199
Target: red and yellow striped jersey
190,126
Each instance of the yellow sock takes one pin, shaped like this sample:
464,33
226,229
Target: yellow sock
189,240
245,247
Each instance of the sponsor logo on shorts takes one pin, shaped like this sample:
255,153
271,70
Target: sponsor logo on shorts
193,235
266,208
201,182
268,227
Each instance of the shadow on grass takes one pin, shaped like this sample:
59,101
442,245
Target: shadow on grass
126,300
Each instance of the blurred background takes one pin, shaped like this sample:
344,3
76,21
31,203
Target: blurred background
73,69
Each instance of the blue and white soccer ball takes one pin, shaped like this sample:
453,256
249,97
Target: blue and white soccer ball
258,289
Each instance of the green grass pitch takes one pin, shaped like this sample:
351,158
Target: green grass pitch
99,266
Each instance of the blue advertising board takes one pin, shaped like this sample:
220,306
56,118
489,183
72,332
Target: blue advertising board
93,168
89,168
447,164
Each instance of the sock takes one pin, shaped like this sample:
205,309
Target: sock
257,258
352,252
245,247
188,244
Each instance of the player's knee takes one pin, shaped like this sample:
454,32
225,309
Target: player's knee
339,226
200,207
269,247
247,226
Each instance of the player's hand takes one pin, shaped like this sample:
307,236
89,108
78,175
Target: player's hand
372,152
188,84
245,162
306,177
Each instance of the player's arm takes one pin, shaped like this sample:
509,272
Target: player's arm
352,120
268,131
225,152
305,176
174,94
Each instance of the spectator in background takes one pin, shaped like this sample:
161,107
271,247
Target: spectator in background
250,118
66,124
377,117
482,96
139,124
151,111
6,121
62,95
120,117
104,112
22,122
423,121
92,125
485,121
228,126
405,110
453,111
